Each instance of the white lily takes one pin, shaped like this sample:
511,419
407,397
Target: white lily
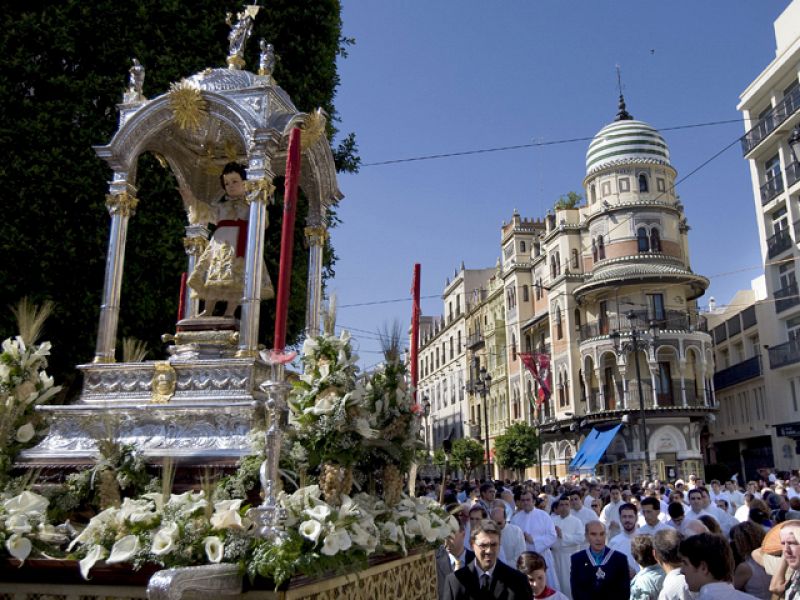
309,346
164,540
124,549
27,503
227,519
86,564
18,523
214,548
336,541
320,512
19,547
311,529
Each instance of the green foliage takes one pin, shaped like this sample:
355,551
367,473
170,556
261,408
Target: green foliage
571,200
517,447
464,449
65,67
439,457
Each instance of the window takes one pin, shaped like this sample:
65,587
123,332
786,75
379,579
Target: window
642,239
655,303
593,194
525,296
594,250
605,189
558,262
655,240
458,305
538,286
577,318
522,246
601,248
786,275
513,346
575,260
664,385
459,342
780,220
624,184
643,186
661,184
553,266
559,325
772,169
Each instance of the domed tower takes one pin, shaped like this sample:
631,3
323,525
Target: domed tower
636,303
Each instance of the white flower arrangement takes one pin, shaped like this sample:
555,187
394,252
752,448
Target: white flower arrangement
24,526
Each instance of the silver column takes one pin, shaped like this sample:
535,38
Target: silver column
121,203
194,243
316,235
259,192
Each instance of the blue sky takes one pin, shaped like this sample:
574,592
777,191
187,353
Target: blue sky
427,77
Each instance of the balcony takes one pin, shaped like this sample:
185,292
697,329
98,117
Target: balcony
786,297
475,340
669,398
769,122
738,373
792,174
784,354
771,188
780,242
673,320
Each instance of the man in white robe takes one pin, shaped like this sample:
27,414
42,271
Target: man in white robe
539,532
580,510
512,540
571,534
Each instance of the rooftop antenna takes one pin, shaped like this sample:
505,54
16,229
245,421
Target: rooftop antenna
622,114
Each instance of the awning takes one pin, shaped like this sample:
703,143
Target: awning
593,448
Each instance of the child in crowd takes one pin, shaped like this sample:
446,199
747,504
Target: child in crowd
533,565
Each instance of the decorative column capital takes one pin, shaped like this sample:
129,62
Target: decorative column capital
316,234
194,245
259,190
122,203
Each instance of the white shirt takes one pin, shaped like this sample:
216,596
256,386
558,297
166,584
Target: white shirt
722,590
674,587
610,514
648,530
512,544
742,513
573,533
585,515
622,543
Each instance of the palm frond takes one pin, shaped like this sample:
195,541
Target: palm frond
391,336
133,350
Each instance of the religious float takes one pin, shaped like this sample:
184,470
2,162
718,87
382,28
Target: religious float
291,483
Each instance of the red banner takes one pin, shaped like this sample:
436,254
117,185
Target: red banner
539,366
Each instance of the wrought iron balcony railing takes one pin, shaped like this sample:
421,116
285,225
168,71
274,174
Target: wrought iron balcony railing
672,320
771,188
786,297
780,242
784,354
769,122
738,373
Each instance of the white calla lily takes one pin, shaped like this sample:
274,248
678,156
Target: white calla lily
86,563
214,549
18,523
311,529
336,541
27,503
124,550
164,540
320,512
19,547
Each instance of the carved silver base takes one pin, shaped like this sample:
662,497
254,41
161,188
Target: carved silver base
204,416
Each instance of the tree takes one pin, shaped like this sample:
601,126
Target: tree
467,454
517,448
571,200
65,66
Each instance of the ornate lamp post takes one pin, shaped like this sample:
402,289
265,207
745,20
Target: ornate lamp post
639,341
482,386
426,412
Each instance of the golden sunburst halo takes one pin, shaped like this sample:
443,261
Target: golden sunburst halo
313,128
188,105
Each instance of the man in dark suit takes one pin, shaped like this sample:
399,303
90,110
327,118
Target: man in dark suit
599,571
451,556
486,578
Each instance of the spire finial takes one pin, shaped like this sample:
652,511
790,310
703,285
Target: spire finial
622,113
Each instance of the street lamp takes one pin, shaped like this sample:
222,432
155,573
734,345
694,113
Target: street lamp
794,143
426,412
638,343
482,386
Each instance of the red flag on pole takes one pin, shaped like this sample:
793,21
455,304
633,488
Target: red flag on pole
287,238
415,311
539,366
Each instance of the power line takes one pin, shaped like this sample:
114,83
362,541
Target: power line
529,145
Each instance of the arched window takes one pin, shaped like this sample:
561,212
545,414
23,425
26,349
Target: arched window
513,346
575,260
643,187
601,248
641,238
655,240
577,318
522,246
559,325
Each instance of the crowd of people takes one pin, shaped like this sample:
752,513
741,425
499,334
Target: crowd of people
591,540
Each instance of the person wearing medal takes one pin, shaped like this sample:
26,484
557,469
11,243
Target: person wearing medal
598,571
